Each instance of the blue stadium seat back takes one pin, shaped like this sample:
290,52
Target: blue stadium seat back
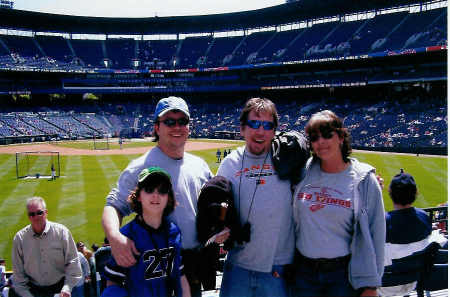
411,268
101,258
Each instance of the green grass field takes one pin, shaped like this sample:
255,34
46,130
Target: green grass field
77,198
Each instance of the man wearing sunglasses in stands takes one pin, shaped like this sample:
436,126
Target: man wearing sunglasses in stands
44,256
263,201
188,172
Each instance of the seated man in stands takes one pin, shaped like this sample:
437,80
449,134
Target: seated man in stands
408,230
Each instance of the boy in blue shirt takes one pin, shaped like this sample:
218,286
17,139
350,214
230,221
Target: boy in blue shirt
158,271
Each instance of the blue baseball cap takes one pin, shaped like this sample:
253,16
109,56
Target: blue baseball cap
171,103
403,181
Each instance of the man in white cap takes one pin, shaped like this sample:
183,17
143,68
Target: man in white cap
188,172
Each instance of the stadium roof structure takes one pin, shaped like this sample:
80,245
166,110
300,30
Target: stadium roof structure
275,15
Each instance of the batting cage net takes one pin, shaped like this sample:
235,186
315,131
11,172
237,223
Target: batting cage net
37,164
101,142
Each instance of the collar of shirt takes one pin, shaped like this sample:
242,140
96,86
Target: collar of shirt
47,227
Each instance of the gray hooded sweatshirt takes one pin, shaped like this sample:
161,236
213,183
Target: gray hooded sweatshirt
366,243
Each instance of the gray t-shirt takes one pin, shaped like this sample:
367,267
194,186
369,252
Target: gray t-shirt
270,212
324,213
188,175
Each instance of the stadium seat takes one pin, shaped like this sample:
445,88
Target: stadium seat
416,267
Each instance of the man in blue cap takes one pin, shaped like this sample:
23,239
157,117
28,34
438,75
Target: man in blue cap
188,172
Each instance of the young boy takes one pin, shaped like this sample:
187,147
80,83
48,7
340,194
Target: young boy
409,231
158,271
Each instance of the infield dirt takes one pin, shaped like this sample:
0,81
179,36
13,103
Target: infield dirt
44,147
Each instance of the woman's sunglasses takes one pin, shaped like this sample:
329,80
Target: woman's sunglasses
313,137
255,124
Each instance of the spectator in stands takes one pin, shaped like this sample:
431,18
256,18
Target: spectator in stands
158,271
44,246
442,221
8,289
338,207
171,130
263,200
84,250
79,289
401,242
89,255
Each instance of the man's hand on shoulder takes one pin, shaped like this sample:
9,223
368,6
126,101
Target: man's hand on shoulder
123,250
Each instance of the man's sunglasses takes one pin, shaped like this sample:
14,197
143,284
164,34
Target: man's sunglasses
37,213
255,124
169,122
325,134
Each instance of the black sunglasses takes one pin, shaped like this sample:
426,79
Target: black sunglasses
37,213
325,134
255,124
162,189
169,122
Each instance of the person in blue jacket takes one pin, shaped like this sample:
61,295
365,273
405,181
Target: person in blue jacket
158,270
409,231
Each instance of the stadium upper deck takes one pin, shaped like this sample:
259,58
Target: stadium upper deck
306,45
299,32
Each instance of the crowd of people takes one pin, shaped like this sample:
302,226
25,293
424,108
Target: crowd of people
414,120
322,236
